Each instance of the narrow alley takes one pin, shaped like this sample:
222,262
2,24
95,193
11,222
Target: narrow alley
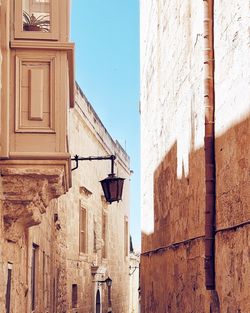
124,156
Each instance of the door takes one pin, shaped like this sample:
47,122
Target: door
98,302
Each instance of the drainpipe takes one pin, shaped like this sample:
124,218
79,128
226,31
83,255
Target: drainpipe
209,144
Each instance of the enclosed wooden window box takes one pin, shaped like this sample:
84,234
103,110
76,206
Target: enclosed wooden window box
37,19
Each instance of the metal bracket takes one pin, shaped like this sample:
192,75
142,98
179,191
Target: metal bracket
77,158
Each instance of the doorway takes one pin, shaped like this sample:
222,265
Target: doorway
98,302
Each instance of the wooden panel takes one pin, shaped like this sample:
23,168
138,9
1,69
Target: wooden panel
36,143
39,107
4,79
35,95
36,85
56,46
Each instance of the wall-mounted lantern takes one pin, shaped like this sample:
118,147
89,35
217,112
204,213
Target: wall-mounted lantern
112,185
108,282
132,269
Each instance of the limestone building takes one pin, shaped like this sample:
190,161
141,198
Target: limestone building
97,233
37,89
134,266
59,239
195,192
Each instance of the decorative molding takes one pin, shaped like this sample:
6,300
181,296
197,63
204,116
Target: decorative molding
36,97
25,161
39,156
25,193
84,191
98,270
68,47
5,79
23,109
42,45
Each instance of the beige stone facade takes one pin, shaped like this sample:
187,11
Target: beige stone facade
104,252
134,266
173,159
34,157
60,260
58,236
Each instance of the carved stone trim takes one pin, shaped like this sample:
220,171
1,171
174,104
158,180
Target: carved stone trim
25,193
84,191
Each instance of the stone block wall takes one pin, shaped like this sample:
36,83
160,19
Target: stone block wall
171,95
173,189
88,137
30,180
173,281
51,246
232,96
134,284
26,251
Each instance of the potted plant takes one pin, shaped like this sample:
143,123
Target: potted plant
32,23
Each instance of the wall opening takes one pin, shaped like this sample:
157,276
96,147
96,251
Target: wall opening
74,296
98,302
8,288
104,235
34,275
125,237
83,230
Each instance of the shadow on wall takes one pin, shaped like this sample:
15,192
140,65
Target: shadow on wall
178,203
172,275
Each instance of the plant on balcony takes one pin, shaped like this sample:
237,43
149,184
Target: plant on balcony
40,23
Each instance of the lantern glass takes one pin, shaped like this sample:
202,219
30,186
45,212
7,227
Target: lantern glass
109,282
112,187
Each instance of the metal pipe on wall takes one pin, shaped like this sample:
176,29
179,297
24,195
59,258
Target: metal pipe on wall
209,102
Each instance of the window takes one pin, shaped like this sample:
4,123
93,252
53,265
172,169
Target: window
74,296
54,303
46,280
104,235
36,15
36,19
125,237
94,244
8,288
83,230
44,276
34,274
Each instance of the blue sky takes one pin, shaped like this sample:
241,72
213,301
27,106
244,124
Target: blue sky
106,34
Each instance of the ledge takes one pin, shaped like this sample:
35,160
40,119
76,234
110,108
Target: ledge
98,270
38,44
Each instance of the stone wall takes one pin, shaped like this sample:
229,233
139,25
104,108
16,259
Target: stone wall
134,284
14,255
174,280
88,137
54,235
232,126
28,182
173,190
171,93
20,193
